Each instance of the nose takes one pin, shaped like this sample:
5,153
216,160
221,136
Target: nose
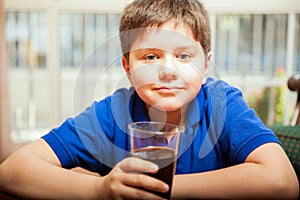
168,71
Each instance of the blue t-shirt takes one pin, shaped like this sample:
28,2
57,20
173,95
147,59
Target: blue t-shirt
221,131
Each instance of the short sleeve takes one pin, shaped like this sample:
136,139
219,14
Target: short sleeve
243,131
96,139
68,145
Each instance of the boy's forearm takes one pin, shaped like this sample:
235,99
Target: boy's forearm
213,184
239,182
28,176
247,180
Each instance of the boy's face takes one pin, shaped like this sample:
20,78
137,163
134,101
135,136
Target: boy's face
166,66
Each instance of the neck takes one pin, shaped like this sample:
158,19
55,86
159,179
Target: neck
176,117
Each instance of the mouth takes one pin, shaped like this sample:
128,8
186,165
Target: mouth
167,89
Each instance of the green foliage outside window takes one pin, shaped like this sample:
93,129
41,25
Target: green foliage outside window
261,103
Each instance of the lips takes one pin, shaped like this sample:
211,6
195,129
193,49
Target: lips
167,89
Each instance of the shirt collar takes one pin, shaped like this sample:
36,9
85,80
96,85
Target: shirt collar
197,107
138,111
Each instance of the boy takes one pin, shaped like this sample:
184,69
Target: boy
225,152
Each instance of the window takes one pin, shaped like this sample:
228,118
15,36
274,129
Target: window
248,49
251,44
83,39
26,35
89,55
90,58
297,44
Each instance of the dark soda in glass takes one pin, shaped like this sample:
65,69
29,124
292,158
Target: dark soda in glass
165,158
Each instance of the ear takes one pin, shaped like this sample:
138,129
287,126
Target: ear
125,65
207,61
127,69
206,68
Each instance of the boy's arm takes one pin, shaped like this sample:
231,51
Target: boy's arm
34,171
266,173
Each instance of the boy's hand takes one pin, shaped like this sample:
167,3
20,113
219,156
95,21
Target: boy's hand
124,181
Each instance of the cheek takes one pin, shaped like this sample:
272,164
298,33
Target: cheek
193,75
144,75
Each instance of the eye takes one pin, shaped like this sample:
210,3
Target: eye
183,56
151,57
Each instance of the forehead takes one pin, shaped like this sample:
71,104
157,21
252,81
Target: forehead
168,37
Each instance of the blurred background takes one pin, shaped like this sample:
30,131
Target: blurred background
57,56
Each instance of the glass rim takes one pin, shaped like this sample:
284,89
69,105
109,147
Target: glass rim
177,128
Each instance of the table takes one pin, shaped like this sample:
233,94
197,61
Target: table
6,196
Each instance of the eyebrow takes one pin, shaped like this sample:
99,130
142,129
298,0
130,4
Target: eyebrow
192,48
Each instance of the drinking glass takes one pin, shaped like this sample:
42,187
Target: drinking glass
157,142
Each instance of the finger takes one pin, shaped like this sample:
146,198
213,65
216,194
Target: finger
120,189
133,164
137,193
145,181
132,187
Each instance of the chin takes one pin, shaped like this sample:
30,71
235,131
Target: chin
168,108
